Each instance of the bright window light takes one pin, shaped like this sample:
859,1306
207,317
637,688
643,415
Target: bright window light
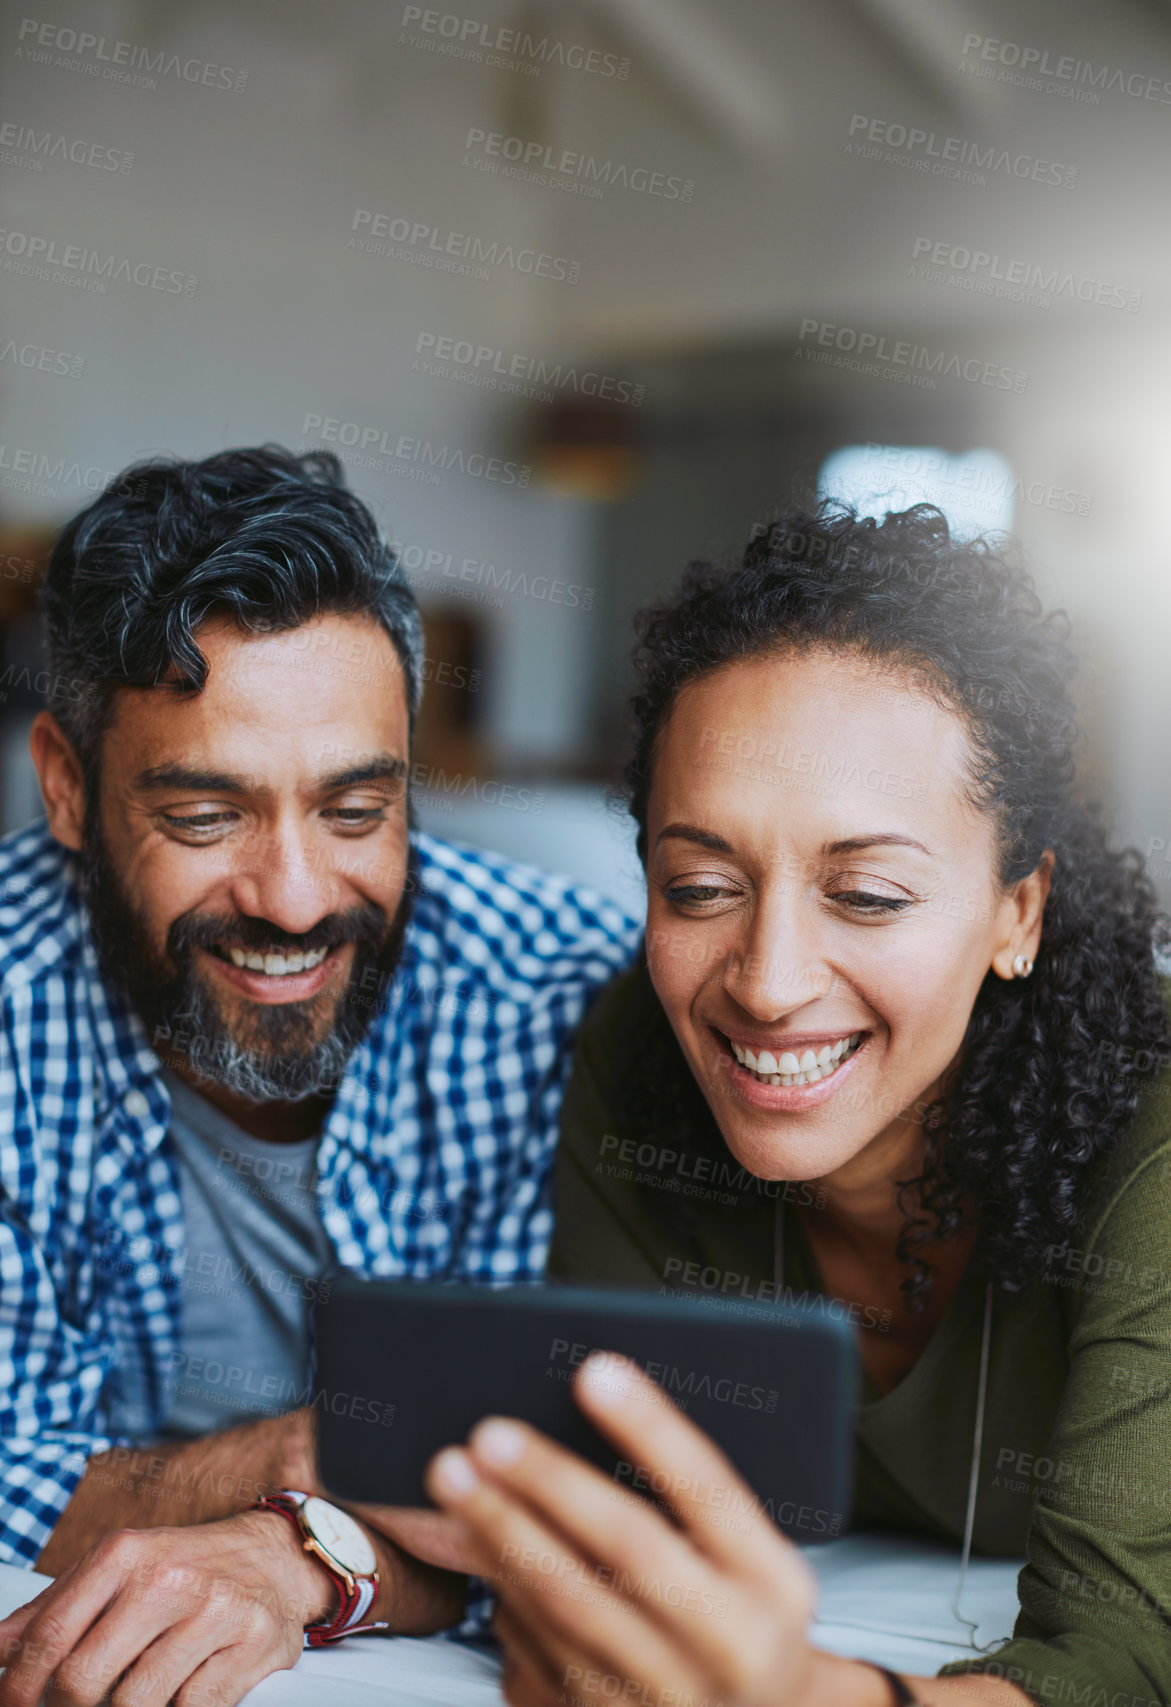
974,489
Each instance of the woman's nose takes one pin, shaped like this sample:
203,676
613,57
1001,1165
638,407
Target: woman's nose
781,964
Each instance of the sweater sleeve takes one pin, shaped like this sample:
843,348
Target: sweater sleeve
1095,1596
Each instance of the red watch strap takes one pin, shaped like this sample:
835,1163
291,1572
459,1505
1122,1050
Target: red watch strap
353,1602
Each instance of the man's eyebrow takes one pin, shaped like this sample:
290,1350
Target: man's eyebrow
690,833
384,767
190,777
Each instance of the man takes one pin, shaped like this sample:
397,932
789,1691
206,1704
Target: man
252,1027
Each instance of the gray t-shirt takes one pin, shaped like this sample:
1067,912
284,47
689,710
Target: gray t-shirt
256,1249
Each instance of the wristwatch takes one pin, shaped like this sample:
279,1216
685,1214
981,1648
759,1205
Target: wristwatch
345,1550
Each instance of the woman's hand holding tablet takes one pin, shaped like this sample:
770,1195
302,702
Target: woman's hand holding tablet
603,1598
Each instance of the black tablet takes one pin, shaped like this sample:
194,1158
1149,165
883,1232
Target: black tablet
407,1367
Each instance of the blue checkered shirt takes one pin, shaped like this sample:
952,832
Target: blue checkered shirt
434,1161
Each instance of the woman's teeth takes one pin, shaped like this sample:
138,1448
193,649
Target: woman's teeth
788,1070
277,965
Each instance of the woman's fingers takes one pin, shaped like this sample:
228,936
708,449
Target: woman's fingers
598,1518
688,1472
542,1672
534,1572
523,1682
599,1591
565,1674
529,1647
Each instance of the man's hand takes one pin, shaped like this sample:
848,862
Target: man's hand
158,1489
434,1537
197,1615
196,1482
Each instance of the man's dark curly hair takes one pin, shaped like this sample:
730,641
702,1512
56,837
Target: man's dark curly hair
1051,1067
262,535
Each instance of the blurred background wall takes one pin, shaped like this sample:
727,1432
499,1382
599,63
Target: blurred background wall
580,291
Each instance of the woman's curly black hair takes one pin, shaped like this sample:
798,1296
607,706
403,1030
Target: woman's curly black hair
1051,1067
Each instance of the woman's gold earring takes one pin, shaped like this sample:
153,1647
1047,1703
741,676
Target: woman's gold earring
1021,967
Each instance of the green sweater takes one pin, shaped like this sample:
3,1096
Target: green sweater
1075,1470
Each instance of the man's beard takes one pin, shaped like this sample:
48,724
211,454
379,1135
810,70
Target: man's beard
267,1052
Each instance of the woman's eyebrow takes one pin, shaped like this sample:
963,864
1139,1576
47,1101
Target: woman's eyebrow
690,833
848,845
879,839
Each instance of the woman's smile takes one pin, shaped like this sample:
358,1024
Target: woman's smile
787,1073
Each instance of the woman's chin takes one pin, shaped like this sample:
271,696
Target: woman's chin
785,1154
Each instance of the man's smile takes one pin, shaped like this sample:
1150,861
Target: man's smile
273,978
275,965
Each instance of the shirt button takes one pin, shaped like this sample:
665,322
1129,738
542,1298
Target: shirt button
136,1104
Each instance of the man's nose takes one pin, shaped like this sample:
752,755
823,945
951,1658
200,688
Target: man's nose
282,878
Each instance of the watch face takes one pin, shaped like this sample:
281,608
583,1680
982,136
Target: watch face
343,1538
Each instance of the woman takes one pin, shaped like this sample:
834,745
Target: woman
900,999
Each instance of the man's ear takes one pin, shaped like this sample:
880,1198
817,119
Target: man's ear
62,779
1023,935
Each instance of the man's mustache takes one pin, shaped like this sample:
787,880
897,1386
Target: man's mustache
365,923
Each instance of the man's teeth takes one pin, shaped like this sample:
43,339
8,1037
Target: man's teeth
788,1070
277,965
